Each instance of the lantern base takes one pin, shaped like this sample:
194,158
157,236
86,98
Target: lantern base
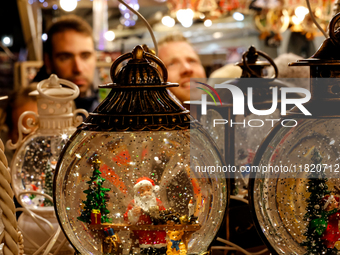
178,236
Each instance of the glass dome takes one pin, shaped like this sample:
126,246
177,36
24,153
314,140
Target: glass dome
132,178
33,167
280,193
295,186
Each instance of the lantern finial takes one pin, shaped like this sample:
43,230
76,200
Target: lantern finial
55,109
54,81
138,53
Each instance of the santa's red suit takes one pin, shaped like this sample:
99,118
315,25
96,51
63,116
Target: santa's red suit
147,238
332,233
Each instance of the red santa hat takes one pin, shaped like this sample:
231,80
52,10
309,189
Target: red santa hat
326,200
144,182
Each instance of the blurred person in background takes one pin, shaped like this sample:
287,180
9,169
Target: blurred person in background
17,103
227,71
297,76
182,63
69,53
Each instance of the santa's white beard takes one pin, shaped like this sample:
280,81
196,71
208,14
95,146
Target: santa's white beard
146,202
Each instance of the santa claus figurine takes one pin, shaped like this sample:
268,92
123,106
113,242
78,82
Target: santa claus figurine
138,213
331,234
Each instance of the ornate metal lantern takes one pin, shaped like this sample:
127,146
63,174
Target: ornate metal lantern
235,135
137,141
35,157
238,136
294,194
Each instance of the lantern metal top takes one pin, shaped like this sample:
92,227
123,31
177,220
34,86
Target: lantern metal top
325,63
138,71
55,106
55,109
328,53
252,67
139,100
52,89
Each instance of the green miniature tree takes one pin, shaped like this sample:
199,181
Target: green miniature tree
48,186
95,196
317,188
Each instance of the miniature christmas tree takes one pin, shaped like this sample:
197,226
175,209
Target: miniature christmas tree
48,189
95,196
318,189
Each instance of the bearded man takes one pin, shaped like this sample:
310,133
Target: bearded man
138,213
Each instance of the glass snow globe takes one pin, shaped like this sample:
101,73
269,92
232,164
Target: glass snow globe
295,191
132,179
36,155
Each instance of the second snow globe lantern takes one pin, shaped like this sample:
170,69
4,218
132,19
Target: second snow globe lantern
36,156
294,195
48,131
128,179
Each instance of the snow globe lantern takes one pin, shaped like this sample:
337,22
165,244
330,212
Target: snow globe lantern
127,180
36,155
238,136
295,193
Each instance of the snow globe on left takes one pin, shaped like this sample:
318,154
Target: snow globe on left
36,155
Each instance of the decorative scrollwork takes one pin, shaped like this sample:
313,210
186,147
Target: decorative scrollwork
30,123
78,116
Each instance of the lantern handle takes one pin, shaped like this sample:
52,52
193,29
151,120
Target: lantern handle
130,55
332,33
145,21
54,82
78,116
116,63
159,62
261,53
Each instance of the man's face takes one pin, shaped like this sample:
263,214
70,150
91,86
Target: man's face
73,58
182,63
